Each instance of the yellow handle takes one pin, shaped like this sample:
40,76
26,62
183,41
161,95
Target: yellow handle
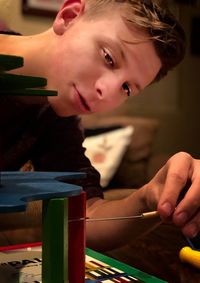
191,256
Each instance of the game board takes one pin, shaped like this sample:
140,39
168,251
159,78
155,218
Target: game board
23,265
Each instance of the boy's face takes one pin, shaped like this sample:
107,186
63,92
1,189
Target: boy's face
95,69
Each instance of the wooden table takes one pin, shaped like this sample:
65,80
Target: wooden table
158,254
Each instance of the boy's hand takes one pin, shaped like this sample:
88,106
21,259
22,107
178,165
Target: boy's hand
166,190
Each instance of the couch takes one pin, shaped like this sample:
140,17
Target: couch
139,163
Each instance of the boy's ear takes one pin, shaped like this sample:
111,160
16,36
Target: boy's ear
69,10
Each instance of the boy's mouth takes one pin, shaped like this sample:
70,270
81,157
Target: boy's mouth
83,101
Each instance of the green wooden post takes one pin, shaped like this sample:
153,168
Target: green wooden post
55,241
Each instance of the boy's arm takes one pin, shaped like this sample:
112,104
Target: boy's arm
103,235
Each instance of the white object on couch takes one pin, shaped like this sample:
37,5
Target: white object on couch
105,151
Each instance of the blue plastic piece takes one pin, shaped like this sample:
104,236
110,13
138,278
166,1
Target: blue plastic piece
18,188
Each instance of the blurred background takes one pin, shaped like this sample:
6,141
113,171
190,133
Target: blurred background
175,101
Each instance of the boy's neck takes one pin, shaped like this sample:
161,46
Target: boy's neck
31,48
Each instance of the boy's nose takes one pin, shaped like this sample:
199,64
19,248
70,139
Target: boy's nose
108,88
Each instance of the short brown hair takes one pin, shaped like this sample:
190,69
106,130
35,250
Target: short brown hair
155,18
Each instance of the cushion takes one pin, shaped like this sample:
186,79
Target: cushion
133,169
106,151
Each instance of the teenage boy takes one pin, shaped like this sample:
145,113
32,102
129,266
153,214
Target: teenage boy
97,54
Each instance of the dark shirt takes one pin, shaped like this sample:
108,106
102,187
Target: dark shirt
52,143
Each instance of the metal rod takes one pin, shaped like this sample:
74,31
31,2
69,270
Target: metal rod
144,215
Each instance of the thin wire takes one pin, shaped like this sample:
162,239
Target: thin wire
144,215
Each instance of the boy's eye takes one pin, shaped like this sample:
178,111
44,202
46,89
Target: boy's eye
108,58
126,88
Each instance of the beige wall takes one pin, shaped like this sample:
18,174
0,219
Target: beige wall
10,12
174,101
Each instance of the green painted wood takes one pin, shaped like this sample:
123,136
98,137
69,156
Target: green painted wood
29,92
10,62
13,81
15,85
55,241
